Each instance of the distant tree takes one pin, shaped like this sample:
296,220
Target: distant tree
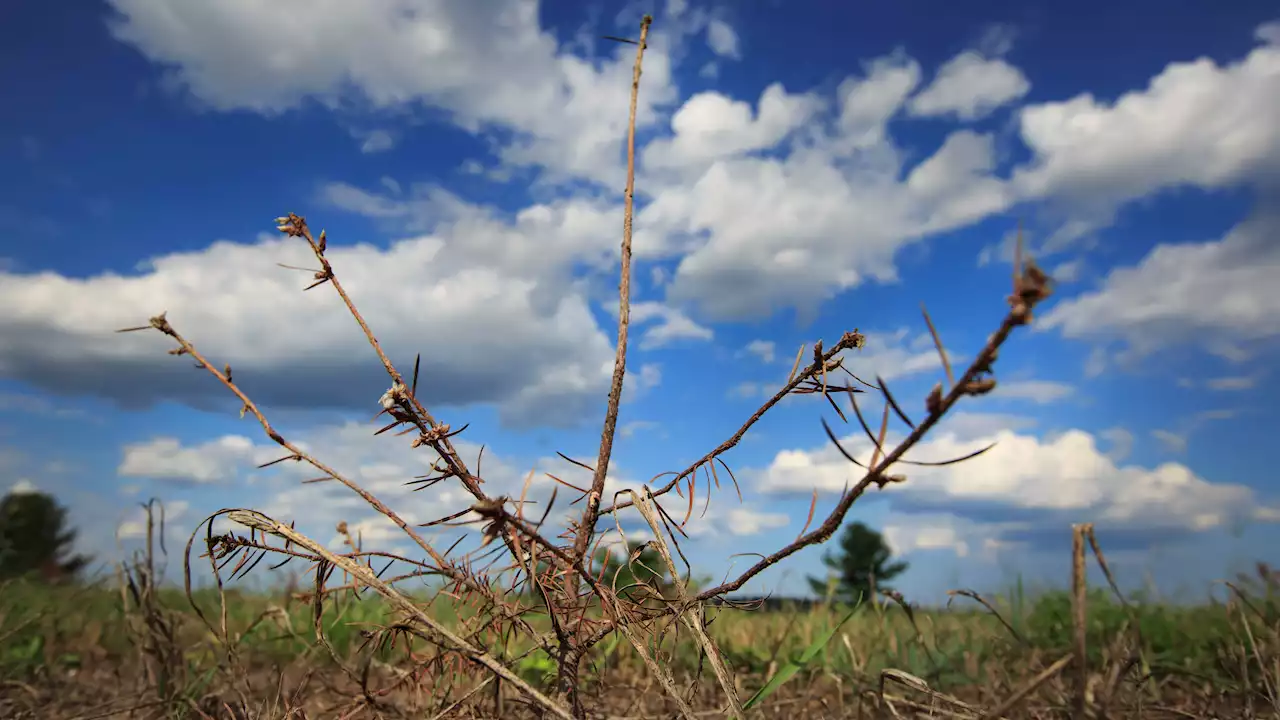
861,564
34,538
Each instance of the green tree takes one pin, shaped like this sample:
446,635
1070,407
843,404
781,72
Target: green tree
34,538
860,566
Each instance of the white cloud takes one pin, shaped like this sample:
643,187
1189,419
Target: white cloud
165,458
377,141
731,218
970,87
1232,383
1196,123
649,377
671,325
635,427
897,354
997,39
1218,293
1268,33
487,64
763,349
815,216
750,389
957,183
906,534
1121,443
1038,391
23,486
946,532
783,226
1067,272
464,296
1062,479
741,521
710,126
1173,442
723,40
725,517
867,103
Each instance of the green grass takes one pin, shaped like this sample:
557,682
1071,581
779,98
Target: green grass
48,627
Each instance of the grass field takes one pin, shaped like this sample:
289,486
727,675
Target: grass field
125,649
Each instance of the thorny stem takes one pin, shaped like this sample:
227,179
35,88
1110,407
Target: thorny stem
445,568
297,226
586,528
261,522
570,656
1029,288
823,532
431,431
849,340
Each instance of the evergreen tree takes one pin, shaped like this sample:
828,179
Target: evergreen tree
861,565
34,538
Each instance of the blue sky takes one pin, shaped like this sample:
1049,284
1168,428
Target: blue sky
803,170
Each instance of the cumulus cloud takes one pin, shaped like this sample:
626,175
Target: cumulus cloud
1173,442
814,216
763,349
1219,292
930,532
722,39
828,205
377,141
1031,482
663,324
711,126
970,86
1196,123
800,229
867,103
1231,383
1121,441
488,64
165,458
467,296
742,521
1038,391
897,354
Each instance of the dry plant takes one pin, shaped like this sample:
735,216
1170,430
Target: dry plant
496,590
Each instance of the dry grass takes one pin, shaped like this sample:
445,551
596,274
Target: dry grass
526,624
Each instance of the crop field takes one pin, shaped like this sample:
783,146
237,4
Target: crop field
129,650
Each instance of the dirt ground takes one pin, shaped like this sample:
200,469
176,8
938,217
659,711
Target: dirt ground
300,694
